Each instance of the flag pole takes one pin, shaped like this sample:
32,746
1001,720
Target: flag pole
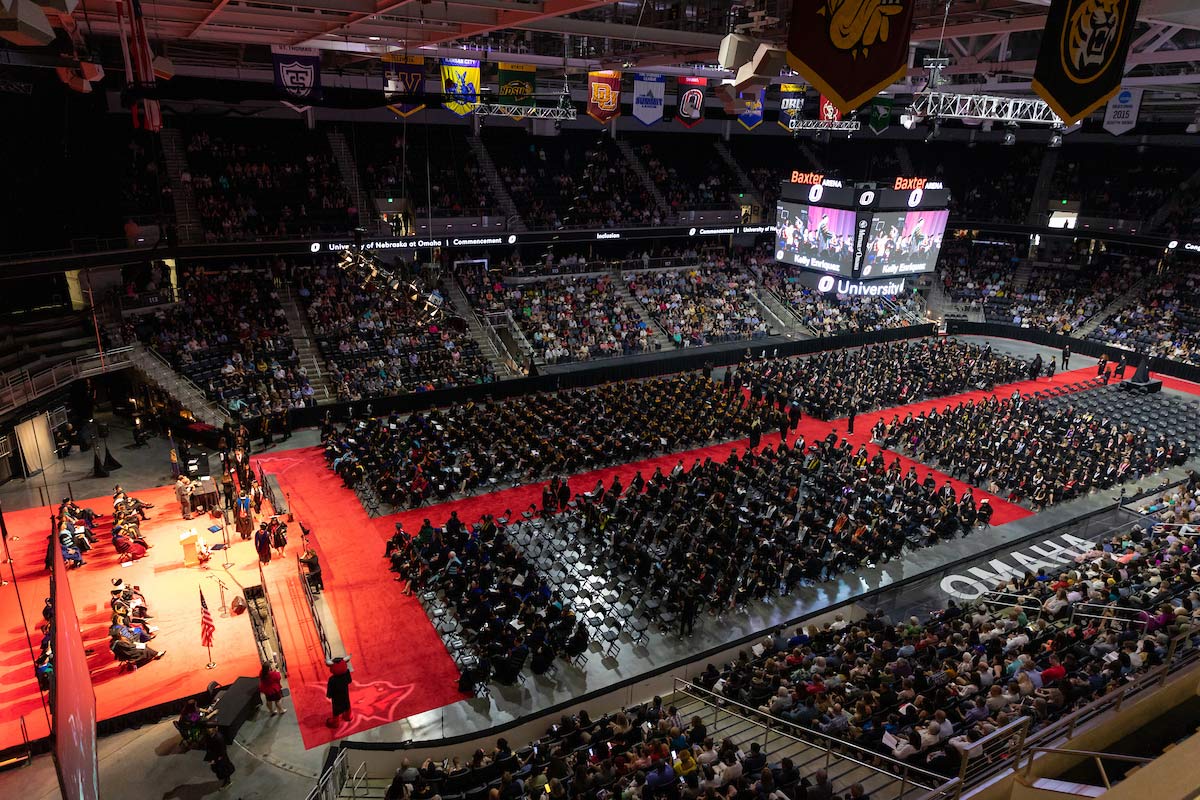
211,664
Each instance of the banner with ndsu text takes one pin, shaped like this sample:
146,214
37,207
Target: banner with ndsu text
297,72
460,85
403,82
791,103
690,109
751,108
518,83
1081,60
649,93
852,49
604,95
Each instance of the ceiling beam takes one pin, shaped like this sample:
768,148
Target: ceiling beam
216,9
382,7
625,33
514,17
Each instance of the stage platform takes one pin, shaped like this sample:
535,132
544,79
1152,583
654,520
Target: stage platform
173,593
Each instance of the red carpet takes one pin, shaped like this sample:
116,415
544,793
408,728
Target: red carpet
400,666
172,592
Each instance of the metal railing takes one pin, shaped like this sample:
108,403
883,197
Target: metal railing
20,387
1098,758
836,750
329,785
996,601
1120,616
312,605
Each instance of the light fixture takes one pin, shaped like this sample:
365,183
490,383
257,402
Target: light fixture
909,121
1010,134
1055,140
935,128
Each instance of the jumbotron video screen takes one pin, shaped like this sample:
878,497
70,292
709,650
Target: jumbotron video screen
815,237
904,242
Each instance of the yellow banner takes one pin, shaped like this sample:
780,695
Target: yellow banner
460,85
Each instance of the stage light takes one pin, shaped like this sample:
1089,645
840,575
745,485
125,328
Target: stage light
1055,141
909,121
935,128
1010,134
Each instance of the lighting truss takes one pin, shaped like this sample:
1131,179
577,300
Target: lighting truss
526,112
942,105
844,125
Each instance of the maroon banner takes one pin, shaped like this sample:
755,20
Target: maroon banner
690,109
604,95
850,50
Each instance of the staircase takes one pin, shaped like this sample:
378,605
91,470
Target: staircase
504,363
621,290
906,164
310,356
349,170
639,169
156,370
1041,191
1020,279
187,218
499,191
744,182
780,310
1116,306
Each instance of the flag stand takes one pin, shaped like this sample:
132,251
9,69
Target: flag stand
211,664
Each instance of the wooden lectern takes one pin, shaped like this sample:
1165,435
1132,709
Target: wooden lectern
187,540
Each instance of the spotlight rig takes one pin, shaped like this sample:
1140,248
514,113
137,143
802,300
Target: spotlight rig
368,270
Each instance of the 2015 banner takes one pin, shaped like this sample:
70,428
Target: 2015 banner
403,77
649,92
690,109
1082,56
604,95
791,103
751,105
850,50
297,72
1121,114
518,83
460,84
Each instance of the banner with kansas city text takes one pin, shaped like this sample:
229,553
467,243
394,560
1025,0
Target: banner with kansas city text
1081,60
649,94
850,50
460,85
751,108
297,72
791,103
518,83
604,95
403,83
690,108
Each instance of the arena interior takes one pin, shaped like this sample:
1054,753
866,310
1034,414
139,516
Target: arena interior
591,400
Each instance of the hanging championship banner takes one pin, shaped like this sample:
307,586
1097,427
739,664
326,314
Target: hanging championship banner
751,105
297,72
518,82
648,94
881,115
1082,56
829,112
403,77
604,95
1121,115
460,84
791,103
691,100
851,49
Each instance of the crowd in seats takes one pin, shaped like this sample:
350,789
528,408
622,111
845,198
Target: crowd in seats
564,319
434,169
1004,197
688,171
574,180
379,344
469,448
1145,183
230,336
701,305
1164,322
833,383
1027,451
831,314
971,272
263,180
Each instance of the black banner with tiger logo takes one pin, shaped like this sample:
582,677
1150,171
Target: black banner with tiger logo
1082,57
850,49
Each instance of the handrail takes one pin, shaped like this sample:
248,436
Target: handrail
1016,602
1107,611
871,756
1095,756
20,387
312,607
330,783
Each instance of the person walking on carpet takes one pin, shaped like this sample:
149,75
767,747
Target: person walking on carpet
337,689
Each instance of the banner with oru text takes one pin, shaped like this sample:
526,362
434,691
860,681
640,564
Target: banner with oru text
850,50
791,103
1081,60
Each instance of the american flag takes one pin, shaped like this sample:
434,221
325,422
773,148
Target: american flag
206,623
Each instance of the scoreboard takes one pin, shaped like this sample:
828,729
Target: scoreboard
860,229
